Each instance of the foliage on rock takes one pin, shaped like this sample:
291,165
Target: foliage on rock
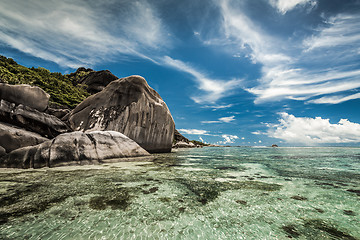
63,89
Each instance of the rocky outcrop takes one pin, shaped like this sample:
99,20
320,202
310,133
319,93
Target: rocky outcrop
182,144
2,151
129,106
180,138
75,148
31,119
12,137
96,81
26,95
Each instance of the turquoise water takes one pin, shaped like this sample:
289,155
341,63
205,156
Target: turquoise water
208,193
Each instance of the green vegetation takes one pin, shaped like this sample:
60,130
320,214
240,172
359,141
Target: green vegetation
63,89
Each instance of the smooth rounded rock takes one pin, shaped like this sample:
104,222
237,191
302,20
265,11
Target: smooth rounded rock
75,148
129,106
26,95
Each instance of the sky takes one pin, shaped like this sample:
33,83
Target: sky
232,72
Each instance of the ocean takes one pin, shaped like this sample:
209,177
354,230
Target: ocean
202,193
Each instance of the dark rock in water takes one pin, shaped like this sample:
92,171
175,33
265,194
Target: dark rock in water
12,137
26,95
274,145
328,228
129,106
242,202
300,198
31,119
349,213
357,191
96,81
291,230
75,148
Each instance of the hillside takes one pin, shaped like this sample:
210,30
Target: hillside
64,90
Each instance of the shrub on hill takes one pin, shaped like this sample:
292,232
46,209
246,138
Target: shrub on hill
63,89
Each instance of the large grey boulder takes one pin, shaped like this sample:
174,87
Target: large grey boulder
31,119
129,106
12,137
75,148
26,95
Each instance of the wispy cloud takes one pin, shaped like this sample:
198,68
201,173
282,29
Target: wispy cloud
221,120
284,6
194,131
313,131
78,33
307,69
214,88
218,107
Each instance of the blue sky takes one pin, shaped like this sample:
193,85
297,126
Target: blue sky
231,72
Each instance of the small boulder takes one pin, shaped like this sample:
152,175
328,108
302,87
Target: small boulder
75,148
12,137
130,106
26,95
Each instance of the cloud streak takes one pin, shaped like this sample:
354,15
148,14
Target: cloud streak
308,69
78,33
214,88
222,120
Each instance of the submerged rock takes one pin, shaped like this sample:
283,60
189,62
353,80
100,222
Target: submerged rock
26,95
31,119
129,106
12,137
75,148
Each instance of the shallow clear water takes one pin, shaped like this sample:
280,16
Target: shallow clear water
208,193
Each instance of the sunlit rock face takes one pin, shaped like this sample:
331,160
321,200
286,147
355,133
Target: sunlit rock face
75,148
130,106
26,95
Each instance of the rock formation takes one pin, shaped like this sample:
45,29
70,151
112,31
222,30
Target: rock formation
26,95
12,137
75,148
31,119
96,81
129,106
180,138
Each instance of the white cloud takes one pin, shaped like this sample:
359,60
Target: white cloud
77,33
193,131
222,120
313,131
214,88
228,139
284,6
